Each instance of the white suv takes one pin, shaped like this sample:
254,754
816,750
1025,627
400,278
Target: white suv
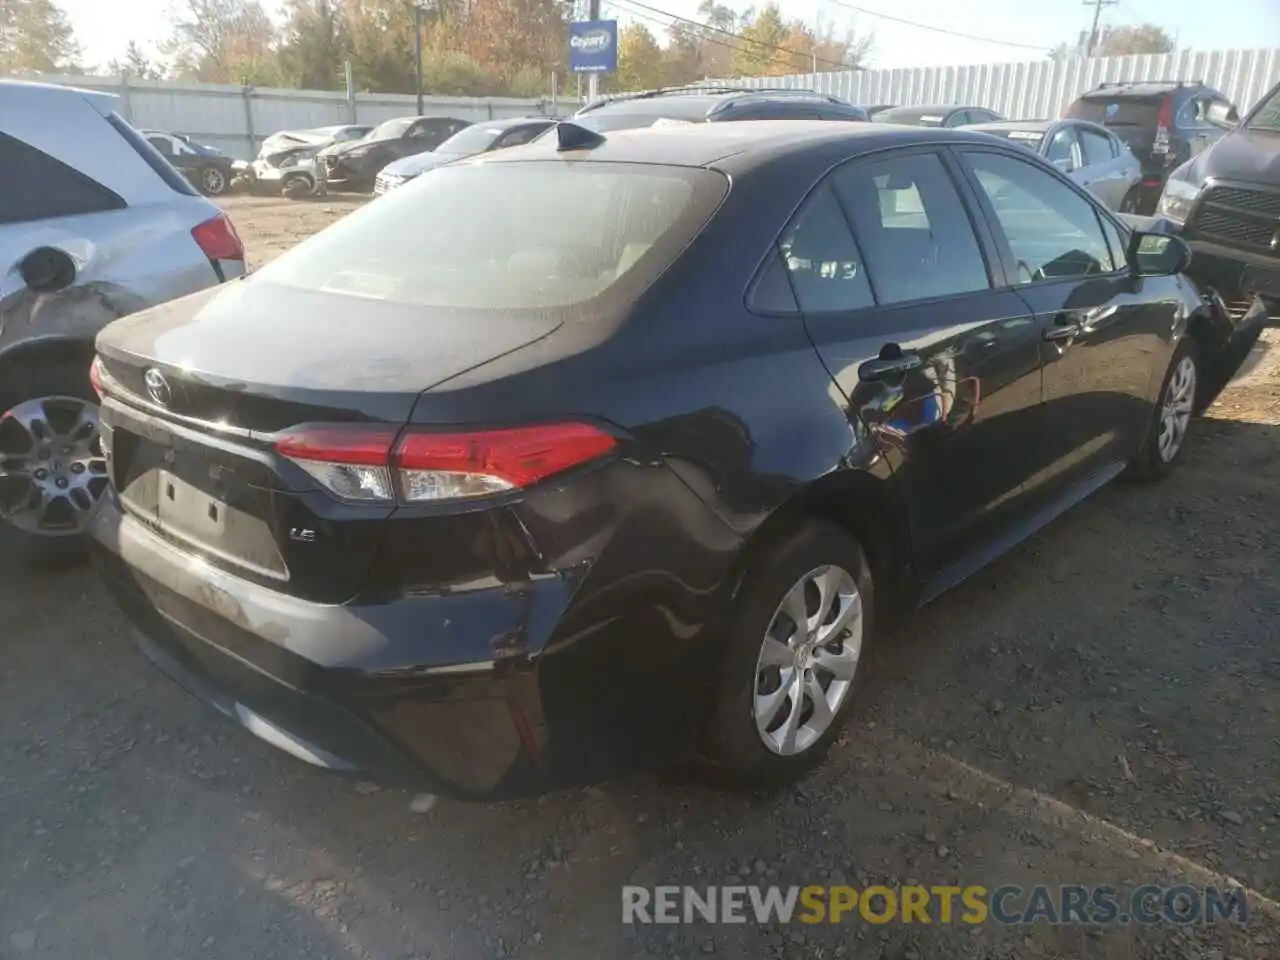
94,224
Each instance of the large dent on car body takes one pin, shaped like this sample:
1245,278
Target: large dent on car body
78,312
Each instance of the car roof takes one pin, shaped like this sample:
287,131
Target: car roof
922,109
1140,88
701,101
736,145
504,123
51,93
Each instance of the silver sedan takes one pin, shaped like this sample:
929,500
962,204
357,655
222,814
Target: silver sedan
1088,153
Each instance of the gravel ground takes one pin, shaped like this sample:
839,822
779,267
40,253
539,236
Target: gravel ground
1102,706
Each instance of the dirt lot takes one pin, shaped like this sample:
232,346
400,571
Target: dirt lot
1101,706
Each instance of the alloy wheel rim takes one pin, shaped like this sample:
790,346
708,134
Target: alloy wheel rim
52,468
808,658
214,180
1175,412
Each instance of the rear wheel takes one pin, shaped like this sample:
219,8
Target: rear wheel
793,660
213,181
1131,201
52,469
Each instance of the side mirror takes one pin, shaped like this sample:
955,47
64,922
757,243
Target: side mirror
1222,115
1158,254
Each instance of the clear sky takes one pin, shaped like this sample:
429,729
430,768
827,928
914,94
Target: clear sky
104,27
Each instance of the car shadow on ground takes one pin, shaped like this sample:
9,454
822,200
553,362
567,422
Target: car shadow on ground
1101,706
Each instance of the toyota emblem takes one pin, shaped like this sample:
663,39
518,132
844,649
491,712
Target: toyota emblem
158,388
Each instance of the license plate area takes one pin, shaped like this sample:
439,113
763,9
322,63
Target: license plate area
199,497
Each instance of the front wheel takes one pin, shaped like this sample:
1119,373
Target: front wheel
52,468
793,658
1172,416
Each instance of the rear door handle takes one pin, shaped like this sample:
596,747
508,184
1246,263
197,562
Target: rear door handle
883,367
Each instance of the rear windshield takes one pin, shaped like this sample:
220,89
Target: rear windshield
391,129
166,171
913,116
1119,110
1031,139
522,236
1267,114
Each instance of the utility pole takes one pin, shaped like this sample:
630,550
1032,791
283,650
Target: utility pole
1091,43
593,79
417,52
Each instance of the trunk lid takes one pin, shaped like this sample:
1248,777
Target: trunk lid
1135,119
191,450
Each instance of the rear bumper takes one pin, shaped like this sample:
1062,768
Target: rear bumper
480,691
370,690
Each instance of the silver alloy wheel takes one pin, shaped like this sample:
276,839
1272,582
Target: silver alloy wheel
1175,412
808,659
52,470
213,180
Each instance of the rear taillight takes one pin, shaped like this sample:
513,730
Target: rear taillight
1164,124
218,239
95,378
358,462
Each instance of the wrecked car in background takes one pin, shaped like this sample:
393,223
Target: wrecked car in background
286,162
94,224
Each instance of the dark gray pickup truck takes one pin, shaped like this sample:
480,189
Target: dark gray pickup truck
1227,203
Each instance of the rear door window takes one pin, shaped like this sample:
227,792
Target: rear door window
40,187
913,228
1097,146
822,259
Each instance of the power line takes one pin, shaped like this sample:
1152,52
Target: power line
925,26
664,23
740,37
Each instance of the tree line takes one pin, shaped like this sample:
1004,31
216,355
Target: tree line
470,47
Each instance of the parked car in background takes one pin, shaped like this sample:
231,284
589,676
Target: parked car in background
496,517
948,115
208,168
1086,152
477,138
94,224
1227,201
354,165
710,105
1164,123
286,162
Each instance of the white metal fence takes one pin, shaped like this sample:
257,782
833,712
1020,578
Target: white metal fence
237,119
1040,88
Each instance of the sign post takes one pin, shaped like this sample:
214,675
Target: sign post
593,50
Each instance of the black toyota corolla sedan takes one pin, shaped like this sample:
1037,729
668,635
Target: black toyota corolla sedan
616,449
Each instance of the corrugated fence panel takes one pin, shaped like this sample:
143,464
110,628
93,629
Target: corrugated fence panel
237,119
1040,88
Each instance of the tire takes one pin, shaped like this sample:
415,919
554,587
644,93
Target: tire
213,181
59,384
1156,458
297,186
1132,200
733,750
